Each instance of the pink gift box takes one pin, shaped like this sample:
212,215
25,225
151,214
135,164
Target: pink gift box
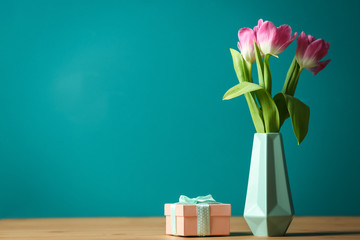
186,219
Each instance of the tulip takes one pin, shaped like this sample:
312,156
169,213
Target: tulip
310,51
246,44
271,39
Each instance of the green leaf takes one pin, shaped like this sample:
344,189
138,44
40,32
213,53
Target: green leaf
282,107
273,55
239,66
256,113
298,112
248,66
259,64
240,89
243,73
269,110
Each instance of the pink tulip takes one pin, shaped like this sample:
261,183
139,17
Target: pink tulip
310,51
246,44
273,40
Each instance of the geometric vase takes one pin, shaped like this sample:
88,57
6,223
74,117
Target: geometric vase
268,208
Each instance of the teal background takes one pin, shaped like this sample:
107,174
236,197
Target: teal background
113,108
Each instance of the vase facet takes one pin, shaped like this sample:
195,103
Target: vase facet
268,208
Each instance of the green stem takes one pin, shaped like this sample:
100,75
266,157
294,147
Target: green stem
256,113
267,74
294,82
289,75
250,73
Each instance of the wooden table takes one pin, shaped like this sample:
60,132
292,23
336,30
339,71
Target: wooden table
154,228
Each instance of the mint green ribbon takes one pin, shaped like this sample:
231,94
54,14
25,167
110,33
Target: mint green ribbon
202,212
201,199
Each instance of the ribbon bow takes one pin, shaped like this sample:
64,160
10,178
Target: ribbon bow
200,199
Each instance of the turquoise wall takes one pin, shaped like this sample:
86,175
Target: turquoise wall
113,108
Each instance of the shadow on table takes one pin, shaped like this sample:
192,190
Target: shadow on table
240,234
306,234
309,234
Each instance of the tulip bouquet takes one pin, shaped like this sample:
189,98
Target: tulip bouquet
259,44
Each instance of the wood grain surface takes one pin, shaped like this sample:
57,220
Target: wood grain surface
154,228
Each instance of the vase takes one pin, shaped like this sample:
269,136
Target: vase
268,208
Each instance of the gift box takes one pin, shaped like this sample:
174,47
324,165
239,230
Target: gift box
201,216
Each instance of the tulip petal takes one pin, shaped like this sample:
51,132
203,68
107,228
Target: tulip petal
310,51
265,37
244,32
283,34
286,44
256,28
317,50
311,38
246,46
239,46
267,31
273,40
320,66
302,44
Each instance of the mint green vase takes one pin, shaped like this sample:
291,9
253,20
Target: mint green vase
268,209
